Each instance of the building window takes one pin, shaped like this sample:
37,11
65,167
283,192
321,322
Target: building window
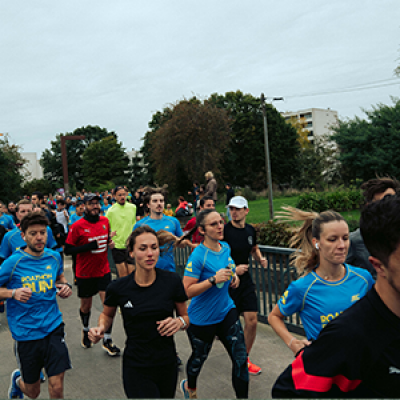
309,124
308,115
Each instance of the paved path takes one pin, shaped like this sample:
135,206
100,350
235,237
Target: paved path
96,375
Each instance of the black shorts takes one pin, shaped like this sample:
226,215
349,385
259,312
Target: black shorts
245,297
119,255
50,353
88,287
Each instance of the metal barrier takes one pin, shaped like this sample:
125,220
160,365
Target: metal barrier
270,282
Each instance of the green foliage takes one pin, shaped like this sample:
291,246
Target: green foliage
338,200
247,193
105,161
51,158
187,140
11,170
244,159
370,147
138,172
272,233
38,185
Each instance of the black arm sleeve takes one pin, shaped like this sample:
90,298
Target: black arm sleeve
72,250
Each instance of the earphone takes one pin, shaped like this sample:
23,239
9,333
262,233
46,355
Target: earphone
316,246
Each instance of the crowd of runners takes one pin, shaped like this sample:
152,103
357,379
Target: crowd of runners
348,293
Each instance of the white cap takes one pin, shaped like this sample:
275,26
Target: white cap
238,202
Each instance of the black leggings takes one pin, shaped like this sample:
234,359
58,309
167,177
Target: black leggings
150,382
231,336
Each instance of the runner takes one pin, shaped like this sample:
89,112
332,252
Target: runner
6,220
209,272
158,221
89,239
205,203
13,241
147,299
241,237
122,217
34,318
327,286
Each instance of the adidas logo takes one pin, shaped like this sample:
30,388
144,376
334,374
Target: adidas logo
128,305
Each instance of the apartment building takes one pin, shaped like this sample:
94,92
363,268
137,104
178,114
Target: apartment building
317,121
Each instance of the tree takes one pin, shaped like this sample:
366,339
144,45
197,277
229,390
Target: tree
191,140
105,161
38,185
244,158
11,170
302,133
138,171
318,164
51,158
369,147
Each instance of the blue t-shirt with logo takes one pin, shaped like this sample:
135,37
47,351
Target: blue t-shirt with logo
74,217
170,224
7,221
211,306
104,209
13,241
40,315
320,301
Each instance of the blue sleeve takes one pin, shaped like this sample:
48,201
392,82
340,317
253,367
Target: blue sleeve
5,271
5,251
291,301
60,264
194,266
51,243
178,230
11,224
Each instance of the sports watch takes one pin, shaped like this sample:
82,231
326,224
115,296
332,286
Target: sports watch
212,280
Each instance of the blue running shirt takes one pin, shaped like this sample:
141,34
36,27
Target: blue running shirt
211,306
13,241
7,221
170,224
40,315
320,301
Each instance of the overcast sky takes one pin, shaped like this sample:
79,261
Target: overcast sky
69,64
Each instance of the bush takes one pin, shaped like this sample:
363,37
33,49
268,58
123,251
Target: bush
338,200
272,233
247,193
353,224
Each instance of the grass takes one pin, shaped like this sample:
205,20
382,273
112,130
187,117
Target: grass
259,209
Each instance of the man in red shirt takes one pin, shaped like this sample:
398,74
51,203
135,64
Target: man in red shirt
89,238
205,203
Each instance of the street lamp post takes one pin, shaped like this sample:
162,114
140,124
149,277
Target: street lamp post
64,158
267,158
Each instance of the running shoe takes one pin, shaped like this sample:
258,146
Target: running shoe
86,343
110,348
187,393
14,392
253,368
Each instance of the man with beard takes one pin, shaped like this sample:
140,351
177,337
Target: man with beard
89,239
34,277
158,221
122,218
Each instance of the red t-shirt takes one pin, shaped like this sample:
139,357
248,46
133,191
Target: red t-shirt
196,237
93,263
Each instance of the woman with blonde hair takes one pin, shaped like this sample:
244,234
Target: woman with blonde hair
327,286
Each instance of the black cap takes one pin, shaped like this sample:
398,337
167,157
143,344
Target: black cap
90,197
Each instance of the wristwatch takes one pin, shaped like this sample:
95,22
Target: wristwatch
212,280
68,284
